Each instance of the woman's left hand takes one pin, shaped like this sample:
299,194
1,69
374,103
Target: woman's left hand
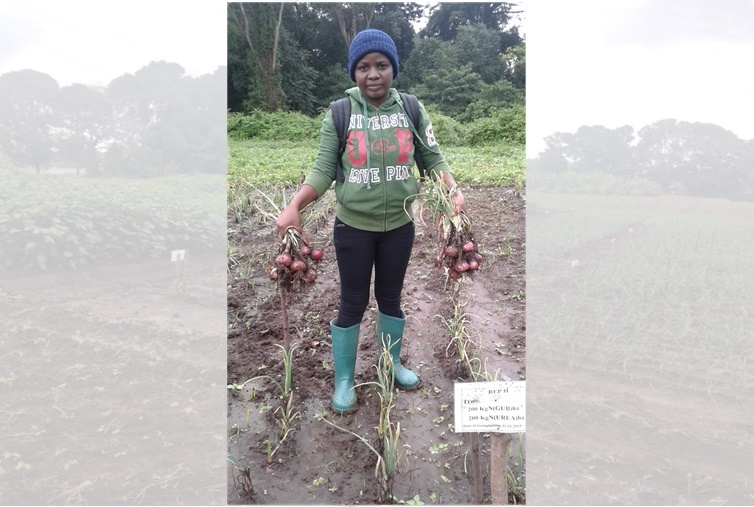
459,201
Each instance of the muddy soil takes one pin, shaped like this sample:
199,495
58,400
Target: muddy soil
318,464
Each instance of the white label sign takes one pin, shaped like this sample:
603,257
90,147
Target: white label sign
177,255
490,407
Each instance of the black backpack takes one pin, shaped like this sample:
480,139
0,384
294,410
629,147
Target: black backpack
341,114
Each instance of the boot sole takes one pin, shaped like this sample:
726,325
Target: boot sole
417,386
344,411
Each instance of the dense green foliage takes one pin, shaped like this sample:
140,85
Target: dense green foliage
53,223
448,131
506,125
509,125
468,62
273,126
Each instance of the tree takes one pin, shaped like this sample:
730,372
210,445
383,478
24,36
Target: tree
447,17
695,158
515,66
478,46
298,78
591,149
429,54
162,121
312,54
208,142
396,19
259,25
26,115
82,120
597,148
352,18
452,89
315,31
239,70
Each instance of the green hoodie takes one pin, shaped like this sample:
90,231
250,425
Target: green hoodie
379,180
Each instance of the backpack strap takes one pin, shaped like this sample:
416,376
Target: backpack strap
341,115
411,104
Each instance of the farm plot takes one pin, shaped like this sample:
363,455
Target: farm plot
289,454
112,382
641,383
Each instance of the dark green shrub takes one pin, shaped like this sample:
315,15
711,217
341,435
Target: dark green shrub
448,131
508,125
494,98
273,126
239,126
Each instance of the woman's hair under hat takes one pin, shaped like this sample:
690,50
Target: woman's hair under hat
369,41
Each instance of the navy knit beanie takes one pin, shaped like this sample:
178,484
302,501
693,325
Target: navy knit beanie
369,41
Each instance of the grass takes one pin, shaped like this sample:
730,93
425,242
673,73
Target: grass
499,165
269,163
516,476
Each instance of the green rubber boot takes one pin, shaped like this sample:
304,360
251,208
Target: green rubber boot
344,345
391,328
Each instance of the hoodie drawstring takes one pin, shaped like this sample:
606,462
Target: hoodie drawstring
366,130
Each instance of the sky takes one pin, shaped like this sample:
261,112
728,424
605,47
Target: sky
634,62
93,42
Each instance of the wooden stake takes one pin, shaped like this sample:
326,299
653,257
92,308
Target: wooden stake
476,469
499,467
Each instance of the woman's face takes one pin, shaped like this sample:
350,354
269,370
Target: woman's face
374,77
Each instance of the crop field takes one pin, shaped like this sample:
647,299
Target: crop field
640,342
285,444
113,361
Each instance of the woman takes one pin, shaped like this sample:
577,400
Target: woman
372,227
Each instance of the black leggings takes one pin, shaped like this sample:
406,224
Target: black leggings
357,251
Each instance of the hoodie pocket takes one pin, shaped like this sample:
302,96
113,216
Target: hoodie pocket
402,194
341,191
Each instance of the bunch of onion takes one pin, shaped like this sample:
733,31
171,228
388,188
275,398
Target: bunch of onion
293,266
458,252
292,269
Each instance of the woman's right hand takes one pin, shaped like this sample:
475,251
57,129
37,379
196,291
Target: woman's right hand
290,217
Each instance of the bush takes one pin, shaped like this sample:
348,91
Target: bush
508,125
239,126
497,97
451,89
448,131
280,126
